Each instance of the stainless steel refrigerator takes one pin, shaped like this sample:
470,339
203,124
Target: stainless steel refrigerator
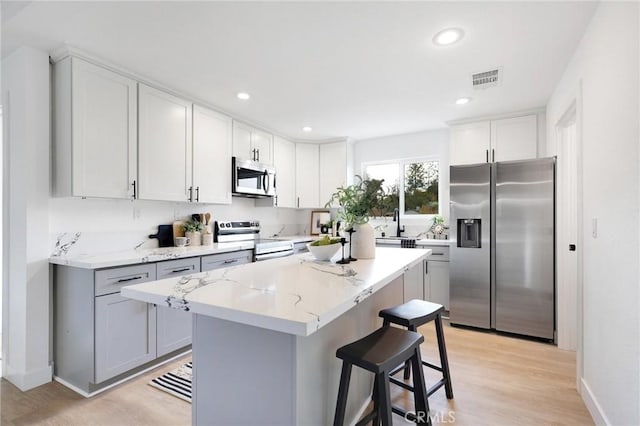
502,256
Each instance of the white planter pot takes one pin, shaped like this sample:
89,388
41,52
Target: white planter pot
195,237
363,245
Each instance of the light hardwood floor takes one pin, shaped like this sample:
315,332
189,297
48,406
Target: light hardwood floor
497,380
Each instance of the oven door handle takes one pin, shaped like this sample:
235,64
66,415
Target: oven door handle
266,256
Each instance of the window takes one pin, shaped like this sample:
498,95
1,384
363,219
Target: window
412,184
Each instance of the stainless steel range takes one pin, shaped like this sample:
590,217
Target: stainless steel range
249,230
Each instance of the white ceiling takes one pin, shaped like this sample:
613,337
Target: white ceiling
359,69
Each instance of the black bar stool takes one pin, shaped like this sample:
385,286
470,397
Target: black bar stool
379,353
413,314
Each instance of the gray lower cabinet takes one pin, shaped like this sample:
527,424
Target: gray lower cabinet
100,336
173,325
125,335
217,261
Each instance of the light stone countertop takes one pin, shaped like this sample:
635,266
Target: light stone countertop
295,294
132,257
419,242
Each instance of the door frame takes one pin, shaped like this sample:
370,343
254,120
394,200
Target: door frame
572,114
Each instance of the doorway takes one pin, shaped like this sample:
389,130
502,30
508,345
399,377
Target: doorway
569,237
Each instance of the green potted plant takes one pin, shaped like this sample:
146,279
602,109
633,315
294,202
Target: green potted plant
356,203
192,230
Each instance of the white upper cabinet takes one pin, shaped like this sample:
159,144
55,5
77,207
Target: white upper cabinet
514,138
164,146
284,160
470,143
95,131
307,175
495,140
333,169
263,144
252,144
212,140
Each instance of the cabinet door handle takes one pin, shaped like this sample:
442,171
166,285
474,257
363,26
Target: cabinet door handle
298,202
493,155
175,271
437,254
226,262
197,194
258,154
253,152
486,153
190,199
124,280
276,203
135,194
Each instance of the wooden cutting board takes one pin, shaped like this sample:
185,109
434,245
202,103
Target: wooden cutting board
178,231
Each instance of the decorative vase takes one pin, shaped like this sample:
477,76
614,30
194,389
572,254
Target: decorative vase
363,244
195,237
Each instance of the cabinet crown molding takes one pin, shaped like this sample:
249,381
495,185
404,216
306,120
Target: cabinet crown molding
520,113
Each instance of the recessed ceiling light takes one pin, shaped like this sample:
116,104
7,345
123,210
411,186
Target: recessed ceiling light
244,96
462,101
448,36
306,129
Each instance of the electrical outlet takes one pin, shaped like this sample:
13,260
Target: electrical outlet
594,227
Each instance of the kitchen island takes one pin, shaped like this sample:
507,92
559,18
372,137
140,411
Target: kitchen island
265,334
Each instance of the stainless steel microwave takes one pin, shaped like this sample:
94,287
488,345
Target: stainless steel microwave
252,179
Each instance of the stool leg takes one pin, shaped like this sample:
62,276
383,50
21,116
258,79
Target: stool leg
444,361
384,399
419,390
407,364
376,404
341,405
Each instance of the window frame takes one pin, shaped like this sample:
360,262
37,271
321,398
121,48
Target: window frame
401,163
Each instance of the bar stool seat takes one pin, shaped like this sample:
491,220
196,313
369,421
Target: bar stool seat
380,352
413,314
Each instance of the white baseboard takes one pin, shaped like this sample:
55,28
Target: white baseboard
360,411
592,405
27,380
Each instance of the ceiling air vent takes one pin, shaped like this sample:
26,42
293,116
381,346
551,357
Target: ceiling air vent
485,79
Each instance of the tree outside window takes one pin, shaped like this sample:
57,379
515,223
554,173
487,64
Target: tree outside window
421,188
415,192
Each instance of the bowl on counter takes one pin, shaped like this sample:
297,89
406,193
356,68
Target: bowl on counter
324,253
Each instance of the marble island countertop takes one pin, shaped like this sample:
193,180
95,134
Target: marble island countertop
295,295
131,257
419,242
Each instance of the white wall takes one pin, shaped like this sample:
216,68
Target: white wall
433,143
25,97
605,66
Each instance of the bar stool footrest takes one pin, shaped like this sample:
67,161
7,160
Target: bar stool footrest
435,387
397,370
407,415
401,384
435,367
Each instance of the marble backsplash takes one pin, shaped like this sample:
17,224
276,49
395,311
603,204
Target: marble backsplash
97,226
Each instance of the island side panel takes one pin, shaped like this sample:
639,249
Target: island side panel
318,369
242,374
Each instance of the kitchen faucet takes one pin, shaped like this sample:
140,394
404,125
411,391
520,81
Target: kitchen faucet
396,218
